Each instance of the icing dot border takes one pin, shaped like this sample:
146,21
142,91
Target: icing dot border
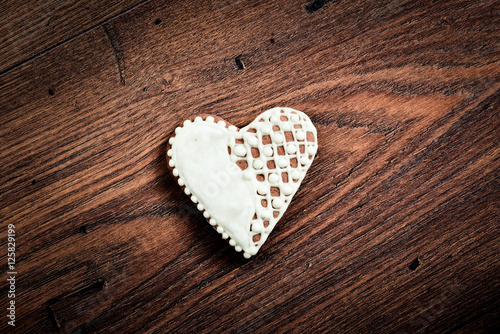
175,173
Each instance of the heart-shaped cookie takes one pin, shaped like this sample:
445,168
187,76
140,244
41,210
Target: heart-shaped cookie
243,179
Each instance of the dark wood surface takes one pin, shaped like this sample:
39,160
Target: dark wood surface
394,229
31,28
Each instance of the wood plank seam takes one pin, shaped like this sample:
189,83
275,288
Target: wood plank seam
68,40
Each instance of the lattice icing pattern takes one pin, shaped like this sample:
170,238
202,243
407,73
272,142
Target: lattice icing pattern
243,179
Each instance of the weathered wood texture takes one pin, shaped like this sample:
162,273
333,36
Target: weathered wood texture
29,28
395,228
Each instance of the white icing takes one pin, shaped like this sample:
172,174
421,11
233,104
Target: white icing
265,214
301,135
268,151
247,175
230,198
291,149
277,203
251,140
257,227
274,178
286,189
258,164
265,129
278,138
240,150
262,189
202,158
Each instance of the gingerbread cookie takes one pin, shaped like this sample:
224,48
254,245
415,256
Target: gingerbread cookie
243,179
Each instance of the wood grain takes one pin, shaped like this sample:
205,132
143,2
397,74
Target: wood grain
31,28
394,230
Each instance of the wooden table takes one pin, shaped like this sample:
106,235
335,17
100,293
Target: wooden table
395,228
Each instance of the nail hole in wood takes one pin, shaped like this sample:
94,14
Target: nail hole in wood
51,92
239,63
157,22
414,264
83,229
315,5
33,182
272,41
